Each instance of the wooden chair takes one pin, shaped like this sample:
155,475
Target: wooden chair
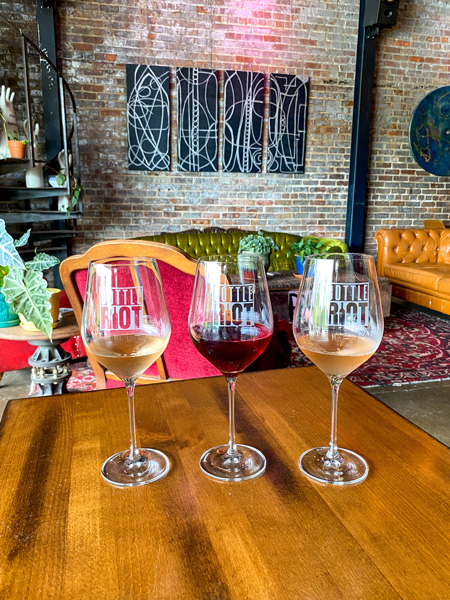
177,274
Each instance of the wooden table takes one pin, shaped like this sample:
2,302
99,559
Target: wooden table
50,363
281,284
67,534
282,281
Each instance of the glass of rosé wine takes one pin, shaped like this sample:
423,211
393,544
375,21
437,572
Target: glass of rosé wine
338,325
231,324
126,327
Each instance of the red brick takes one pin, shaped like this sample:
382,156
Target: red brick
81,46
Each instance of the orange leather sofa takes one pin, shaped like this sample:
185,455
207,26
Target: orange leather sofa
417,263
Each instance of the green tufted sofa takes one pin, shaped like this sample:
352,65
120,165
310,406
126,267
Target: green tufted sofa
215,240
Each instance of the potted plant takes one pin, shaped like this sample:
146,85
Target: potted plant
65,203
75,192
259,244
8,317
312,245
22,283
17,147
303,248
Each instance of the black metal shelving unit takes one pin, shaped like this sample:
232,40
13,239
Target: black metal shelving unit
52,231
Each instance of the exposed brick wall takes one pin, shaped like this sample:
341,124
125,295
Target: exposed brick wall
413,59
315,38
97,40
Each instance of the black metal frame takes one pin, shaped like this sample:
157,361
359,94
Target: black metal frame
57,137
362,117
69,140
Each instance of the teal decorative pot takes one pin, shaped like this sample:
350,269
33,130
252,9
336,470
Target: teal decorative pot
7,317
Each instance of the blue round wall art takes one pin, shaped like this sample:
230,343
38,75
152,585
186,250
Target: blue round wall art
429,132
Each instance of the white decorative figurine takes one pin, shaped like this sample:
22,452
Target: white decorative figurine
6,106
34,177
64,203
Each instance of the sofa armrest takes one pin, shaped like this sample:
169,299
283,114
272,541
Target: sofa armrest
406,246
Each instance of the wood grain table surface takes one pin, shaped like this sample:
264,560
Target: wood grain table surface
67,534
66,328
282,281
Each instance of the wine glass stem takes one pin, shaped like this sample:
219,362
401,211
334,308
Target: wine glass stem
232,441
335,383
134,454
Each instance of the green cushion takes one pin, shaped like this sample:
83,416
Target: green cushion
227,242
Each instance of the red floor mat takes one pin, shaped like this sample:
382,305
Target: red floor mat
415,348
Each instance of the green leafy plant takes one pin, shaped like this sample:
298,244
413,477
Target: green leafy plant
306,246
9,135
4,124
75,189
15,138
312,245
257,243
22,283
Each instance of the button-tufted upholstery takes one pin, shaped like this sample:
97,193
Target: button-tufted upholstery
198,243
417,262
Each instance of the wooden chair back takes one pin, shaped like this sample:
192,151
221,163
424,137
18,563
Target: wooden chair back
126,249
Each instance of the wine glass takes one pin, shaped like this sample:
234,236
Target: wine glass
338,325
231,324
126,327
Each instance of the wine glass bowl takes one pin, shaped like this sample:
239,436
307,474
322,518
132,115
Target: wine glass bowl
338,325
231,324
126,327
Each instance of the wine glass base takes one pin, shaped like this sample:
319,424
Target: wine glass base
119,470
349,468
248,463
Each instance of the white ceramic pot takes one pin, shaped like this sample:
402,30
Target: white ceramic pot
34,177
264,257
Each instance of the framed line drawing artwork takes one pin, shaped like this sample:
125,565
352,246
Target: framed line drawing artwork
243,121
148,118
197,119
288,103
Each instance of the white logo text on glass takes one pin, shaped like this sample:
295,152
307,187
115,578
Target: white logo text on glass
236,305
349,302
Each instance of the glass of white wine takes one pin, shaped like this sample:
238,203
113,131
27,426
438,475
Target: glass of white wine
338,325
126,327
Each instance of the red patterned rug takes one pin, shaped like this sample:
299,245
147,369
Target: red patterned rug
415,348
82,378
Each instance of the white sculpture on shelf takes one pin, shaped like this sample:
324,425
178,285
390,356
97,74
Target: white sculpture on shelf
34,177
64,203
7,109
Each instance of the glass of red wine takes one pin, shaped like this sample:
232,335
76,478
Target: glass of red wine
231,324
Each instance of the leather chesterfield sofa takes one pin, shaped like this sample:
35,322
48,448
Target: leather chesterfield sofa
216,240
417,263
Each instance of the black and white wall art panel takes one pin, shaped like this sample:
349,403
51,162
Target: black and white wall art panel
197,102
243,121
148,118
287,123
